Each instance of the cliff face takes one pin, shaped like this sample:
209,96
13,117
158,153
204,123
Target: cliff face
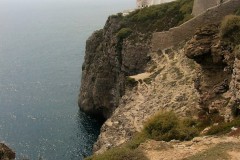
121,49
198,78
108,60
169,86
216,61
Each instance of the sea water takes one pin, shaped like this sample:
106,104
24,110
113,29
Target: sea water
42,45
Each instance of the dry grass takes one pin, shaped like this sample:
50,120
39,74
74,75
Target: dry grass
220,152
230,29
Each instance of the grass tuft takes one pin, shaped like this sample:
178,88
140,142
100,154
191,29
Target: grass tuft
124,33
224,127
119,153
167,126
230,29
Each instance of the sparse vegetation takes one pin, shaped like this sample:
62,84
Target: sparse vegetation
230,29
237,12
206,120
167,126
224,127
160,17
120,153
136,140
147,80
131,82
177,72
155,74
217,152
124,33
163,126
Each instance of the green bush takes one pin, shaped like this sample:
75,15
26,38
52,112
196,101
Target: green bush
167,126
119,153
159,17
163,126
123,33
131,82
230,29
224,127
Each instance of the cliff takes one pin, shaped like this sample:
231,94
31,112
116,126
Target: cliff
6,153
108,60
195,77
121,49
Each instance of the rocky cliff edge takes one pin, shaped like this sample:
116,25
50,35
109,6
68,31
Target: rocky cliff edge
126,83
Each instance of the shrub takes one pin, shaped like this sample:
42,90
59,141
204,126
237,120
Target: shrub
230,29
131,82
136,140
119,153
123,33
167,126
224,127
1,154
159,17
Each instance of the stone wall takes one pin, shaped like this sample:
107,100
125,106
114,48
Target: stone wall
202,5
167,39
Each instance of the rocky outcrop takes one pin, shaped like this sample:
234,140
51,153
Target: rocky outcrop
234,102
6,153
108,60
215,72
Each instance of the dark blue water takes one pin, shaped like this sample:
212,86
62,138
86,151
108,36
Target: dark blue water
42,46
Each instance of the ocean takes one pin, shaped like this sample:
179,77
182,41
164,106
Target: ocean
42,45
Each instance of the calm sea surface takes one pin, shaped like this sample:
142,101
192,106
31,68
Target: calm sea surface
42,46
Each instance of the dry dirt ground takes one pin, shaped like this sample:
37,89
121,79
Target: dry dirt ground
200,148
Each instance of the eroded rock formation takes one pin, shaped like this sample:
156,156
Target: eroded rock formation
216,61
108,61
